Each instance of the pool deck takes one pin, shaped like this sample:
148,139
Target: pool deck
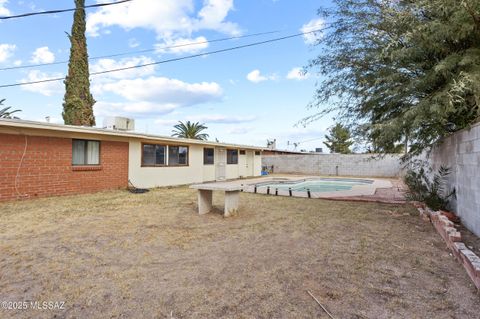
382,190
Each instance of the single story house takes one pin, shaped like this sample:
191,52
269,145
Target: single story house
43,159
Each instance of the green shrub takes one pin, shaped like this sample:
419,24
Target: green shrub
433,192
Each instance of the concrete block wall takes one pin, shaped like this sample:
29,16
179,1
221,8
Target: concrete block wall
461,152
336,164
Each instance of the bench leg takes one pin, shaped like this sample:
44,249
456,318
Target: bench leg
204,201
231,203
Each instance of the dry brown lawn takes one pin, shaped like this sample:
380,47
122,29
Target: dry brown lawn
119,255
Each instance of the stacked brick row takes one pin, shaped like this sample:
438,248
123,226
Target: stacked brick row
453,239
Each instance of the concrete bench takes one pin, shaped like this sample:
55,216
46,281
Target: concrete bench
205,195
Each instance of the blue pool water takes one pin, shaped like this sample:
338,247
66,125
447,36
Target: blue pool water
315,185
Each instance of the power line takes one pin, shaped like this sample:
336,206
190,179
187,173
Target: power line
62,10
142,51
174,59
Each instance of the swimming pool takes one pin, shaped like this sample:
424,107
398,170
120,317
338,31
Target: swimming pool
314,185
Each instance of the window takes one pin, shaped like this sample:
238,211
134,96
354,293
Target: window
156,155
153,155
242,152
257,152
208,156
232,156
177,155
85,152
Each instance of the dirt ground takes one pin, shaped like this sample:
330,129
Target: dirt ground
119,255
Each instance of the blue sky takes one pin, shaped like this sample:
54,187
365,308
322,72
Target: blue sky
245,96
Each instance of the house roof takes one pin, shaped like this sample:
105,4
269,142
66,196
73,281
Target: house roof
23,124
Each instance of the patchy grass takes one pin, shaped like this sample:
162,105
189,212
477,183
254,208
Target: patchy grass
119,255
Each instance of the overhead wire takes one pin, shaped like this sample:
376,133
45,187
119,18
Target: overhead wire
159,48
23,15
173,59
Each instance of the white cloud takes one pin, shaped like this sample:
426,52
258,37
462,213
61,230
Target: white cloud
211,119
182,45
45,88
163,122
165,91
133,43
220,119
213,14
156,15
17,62
42,55
154,96
111,64
135,109
239,130
6,51
168,18
98,82
144,97
256,77
313,37
4,11
297,74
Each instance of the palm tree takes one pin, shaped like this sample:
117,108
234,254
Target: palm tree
5,113
190,130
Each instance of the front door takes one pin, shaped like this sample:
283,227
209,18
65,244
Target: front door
242,164
249,163
220,163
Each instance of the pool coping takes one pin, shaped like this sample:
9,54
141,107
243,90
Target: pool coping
355,191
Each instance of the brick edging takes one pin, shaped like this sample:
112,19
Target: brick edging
453,239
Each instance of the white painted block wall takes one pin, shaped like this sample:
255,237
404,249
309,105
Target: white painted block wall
336,164
461,152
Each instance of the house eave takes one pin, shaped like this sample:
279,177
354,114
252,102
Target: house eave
33,125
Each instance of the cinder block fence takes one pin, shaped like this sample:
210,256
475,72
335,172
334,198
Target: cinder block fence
461,152
336,164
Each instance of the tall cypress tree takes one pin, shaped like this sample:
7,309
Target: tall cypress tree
78,102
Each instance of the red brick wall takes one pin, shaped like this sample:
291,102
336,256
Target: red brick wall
46,169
